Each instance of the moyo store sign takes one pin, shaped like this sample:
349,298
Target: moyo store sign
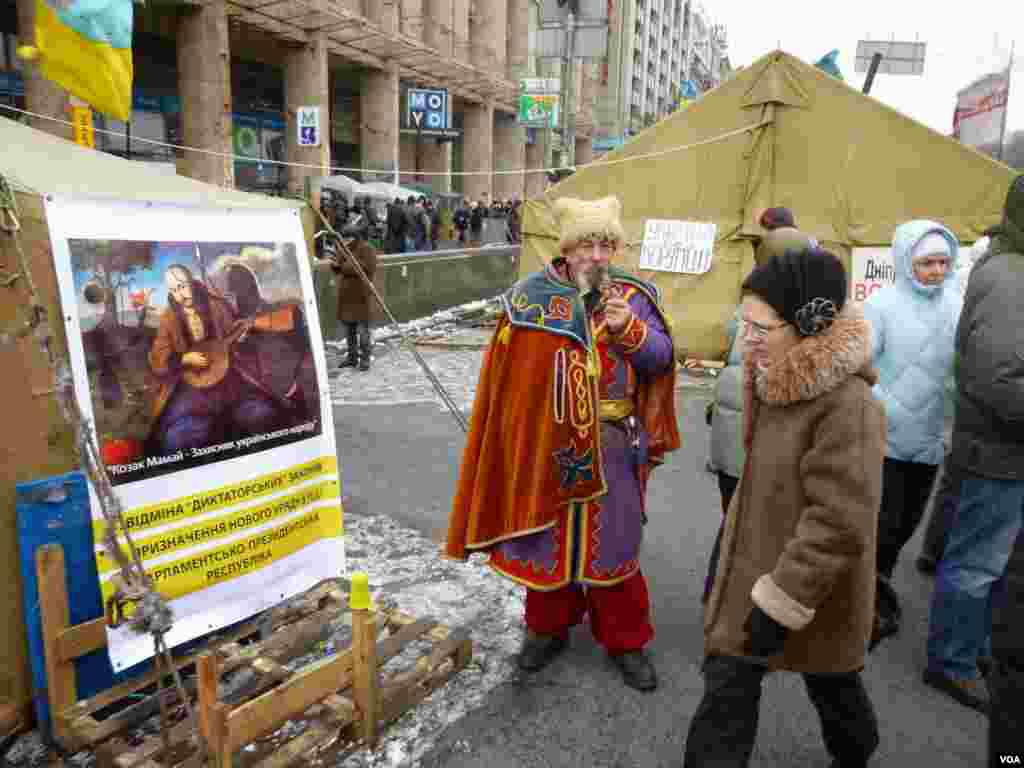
428,113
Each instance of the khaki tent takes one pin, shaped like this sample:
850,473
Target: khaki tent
849,167
37,443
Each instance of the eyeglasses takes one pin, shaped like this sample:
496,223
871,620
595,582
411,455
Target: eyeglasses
758,332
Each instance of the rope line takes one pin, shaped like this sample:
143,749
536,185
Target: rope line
227,155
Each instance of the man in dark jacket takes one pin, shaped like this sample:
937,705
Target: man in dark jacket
396,227
988,453
1006,680
354,296
461,220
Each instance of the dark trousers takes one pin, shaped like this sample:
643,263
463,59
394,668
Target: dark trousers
359,344
723,729
906,487
943,511
726,487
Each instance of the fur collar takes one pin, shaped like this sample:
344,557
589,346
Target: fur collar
819,364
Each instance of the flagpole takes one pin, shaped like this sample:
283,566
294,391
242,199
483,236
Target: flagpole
1006,107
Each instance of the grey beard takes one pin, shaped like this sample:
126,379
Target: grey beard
591,279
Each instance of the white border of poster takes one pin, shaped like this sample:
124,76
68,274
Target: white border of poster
873,269
250,588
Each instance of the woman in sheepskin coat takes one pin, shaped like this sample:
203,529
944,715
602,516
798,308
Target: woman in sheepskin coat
795,586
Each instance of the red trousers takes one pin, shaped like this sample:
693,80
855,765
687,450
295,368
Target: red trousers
620,615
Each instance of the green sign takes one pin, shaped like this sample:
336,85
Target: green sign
538,102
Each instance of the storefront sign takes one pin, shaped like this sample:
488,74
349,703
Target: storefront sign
308,121
685,247
539,101
428,113
210,413
81,117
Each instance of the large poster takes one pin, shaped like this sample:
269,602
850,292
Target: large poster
197,354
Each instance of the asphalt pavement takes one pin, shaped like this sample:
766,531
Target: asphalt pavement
401,459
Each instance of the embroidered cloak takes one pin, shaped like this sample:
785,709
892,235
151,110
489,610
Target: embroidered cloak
536,447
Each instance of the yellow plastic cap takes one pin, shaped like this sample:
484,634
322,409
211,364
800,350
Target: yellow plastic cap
359,597
27,52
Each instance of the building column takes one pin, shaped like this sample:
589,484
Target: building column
437,26
487,28
41,95
584,151
378,125
518,38
509,155
436,157
461,42
535,182
307,84
411,18
478,149
204,86
384,13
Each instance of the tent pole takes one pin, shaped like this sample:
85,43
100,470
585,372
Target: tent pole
872,71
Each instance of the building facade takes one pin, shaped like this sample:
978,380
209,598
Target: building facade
654,48
230,77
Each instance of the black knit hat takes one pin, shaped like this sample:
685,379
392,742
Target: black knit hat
807,288
776,218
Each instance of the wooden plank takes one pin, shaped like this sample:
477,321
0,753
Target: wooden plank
364,652
118,753
206,671
92,731
61,687
337,715
80,639
398,699
308,686
285,644
117,692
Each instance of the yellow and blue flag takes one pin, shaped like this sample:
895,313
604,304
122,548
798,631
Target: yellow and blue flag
85,46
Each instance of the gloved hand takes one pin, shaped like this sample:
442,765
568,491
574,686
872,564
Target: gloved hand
766,636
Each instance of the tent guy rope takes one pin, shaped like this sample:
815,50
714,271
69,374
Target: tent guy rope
332,168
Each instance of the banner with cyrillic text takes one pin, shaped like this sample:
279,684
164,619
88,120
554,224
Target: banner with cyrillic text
197,356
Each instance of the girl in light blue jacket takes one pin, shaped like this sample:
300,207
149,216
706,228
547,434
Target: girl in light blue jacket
913,330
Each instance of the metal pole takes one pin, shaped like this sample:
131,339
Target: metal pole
1006,107
569,80
872,71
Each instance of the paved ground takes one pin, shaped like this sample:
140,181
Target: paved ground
400,452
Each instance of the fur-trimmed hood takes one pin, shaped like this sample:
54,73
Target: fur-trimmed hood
814,367
819,364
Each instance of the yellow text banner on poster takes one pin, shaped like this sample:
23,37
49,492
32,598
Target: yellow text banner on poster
223,526
191,574
180,509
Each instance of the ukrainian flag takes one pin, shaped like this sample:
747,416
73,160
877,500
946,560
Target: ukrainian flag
85,46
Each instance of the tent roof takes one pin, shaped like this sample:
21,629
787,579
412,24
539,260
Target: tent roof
37,162
779,133
850,167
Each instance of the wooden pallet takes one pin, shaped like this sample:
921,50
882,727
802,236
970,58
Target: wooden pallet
346,697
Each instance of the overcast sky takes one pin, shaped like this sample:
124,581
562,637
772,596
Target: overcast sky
961,40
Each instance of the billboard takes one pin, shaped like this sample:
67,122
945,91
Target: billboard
898,57
981,110
539,101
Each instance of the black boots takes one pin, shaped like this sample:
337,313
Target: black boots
540,650
637,670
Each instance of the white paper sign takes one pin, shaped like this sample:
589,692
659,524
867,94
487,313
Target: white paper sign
873,269
685,247
309,126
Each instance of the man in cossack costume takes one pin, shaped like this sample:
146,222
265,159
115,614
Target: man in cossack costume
574,408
